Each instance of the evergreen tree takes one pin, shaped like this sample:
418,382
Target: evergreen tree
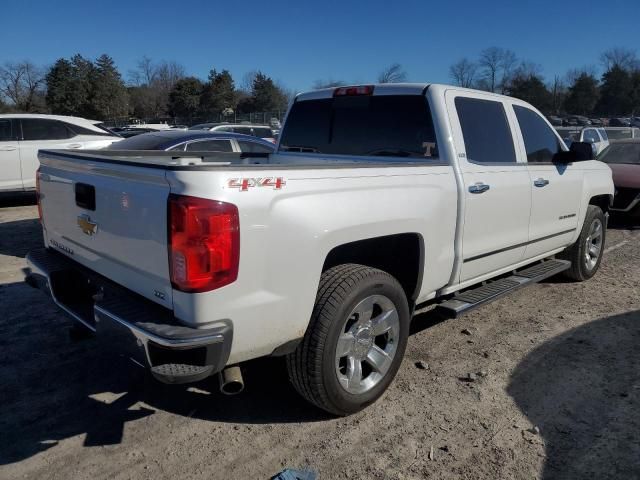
184,98
109,97
218,93
616,92
583,95
532,89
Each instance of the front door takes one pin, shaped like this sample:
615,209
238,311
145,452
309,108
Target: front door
497,189
556,188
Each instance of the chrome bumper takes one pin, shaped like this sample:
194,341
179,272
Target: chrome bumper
155,338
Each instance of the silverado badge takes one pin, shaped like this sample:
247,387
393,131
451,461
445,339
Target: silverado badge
86,225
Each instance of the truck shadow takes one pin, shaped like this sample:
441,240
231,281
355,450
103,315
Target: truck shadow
54,388
582,390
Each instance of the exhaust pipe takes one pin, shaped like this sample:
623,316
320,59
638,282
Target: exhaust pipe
231,382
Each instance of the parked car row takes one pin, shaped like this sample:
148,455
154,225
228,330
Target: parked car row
582,121
596,136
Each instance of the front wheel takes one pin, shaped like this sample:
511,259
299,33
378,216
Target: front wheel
355,341
586,254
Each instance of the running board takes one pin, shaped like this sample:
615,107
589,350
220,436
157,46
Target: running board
470,299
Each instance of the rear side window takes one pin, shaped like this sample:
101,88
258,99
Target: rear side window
487,137
603,134
43,129
386,126
78,130
540,141
253,147
210,146
6,133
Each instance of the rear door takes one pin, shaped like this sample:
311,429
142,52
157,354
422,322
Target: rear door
10,172
556,188
41,133
497,188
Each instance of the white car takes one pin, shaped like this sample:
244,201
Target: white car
378,199
261,131
597,136
22,135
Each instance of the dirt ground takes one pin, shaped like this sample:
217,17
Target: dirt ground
556,395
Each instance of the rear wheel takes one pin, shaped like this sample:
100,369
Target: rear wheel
586,254
355,341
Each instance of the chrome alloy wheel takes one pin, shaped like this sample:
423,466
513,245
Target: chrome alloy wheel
367,344
593,244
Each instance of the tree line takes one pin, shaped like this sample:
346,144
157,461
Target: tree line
155,90
616,92
96,88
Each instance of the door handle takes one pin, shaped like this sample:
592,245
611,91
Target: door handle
541,182
75,145
8,148
479,188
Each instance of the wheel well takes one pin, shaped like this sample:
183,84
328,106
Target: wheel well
602,201
399,255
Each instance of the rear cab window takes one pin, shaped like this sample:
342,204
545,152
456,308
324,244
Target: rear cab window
382,126
485,130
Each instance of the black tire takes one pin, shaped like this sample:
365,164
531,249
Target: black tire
312,366
581,269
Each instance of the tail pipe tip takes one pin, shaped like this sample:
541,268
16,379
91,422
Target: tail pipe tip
231,382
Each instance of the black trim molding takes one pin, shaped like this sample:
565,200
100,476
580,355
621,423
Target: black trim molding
483,255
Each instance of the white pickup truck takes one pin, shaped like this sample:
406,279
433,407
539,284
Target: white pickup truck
379,199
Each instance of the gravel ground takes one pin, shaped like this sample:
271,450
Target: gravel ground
556,393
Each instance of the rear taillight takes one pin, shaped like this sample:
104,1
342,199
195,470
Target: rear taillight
204,243
353,91
38,194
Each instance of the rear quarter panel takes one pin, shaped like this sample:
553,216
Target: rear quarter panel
286,234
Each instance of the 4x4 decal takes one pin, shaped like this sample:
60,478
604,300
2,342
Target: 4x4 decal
244,184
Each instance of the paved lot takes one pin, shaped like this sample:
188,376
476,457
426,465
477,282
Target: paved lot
558,356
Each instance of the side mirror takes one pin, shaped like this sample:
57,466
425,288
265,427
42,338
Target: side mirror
578,152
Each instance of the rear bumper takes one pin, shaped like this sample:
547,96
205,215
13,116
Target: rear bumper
148,332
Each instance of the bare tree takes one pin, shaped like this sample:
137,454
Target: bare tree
558,92
621,57
248,80
490,62
22,84
394,73
507,64
527,69
463,72
144,74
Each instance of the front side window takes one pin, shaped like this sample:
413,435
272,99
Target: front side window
210,146
6,132
384,126
44,129
486,132
540,141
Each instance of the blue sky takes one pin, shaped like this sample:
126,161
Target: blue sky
300,42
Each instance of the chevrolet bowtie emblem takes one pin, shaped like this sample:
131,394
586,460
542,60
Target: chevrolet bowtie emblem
87,226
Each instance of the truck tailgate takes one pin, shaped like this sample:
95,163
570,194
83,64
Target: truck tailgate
111,218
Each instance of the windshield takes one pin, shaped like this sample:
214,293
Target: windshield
146,141
621,153
386,126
